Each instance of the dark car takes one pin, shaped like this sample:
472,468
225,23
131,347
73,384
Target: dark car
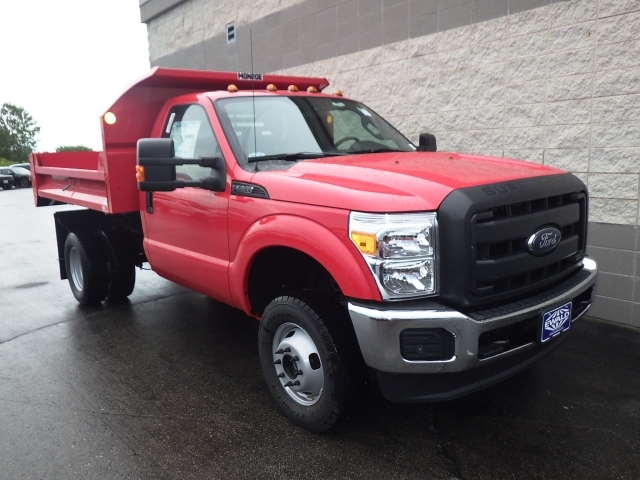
26,166
21,176
6,181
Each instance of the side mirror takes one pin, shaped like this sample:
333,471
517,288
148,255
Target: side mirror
156,168
427,143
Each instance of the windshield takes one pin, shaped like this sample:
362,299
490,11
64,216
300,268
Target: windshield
20,171
289,129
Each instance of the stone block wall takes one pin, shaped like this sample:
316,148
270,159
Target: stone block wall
553,83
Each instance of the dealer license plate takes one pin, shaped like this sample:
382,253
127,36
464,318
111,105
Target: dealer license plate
555,321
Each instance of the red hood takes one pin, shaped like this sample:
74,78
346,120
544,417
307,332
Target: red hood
390,182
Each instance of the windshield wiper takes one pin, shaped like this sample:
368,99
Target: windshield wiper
376,150
293,157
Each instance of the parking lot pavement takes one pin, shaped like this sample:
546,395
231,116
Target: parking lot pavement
168,385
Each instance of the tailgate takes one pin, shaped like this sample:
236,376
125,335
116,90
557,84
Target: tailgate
80,178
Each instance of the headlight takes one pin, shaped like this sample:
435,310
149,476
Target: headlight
400,249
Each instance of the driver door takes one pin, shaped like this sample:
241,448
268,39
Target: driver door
186,229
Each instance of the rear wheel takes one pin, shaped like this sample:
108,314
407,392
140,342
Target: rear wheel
122,281
86,267
24,182
311,360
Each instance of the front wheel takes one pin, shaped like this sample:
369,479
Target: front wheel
87,269
311,360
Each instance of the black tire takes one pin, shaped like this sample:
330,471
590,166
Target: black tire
24,182
87,268
345,375
122,281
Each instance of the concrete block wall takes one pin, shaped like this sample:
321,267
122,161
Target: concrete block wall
180,32
553,83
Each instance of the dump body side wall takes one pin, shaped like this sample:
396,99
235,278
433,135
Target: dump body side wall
76,178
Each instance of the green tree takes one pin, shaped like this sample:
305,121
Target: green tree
17,133
73,148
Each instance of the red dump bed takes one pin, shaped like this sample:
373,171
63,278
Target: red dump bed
71,177
106,180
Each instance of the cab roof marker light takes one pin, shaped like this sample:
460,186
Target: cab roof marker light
292,88
337,93
271,87
312,90
232,88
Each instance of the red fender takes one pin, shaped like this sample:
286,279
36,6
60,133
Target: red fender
338,256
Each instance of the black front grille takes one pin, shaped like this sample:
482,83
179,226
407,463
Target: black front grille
484,259
501,261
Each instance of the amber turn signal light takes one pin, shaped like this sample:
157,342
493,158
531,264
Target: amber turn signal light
140,173
366,242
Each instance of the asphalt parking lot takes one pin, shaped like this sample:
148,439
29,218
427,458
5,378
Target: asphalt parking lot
168,385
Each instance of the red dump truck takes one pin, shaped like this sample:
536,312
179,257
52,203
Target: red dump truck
358,251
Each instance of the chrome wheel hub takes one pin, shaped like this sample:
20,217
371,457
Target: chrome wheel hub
76,269
297,364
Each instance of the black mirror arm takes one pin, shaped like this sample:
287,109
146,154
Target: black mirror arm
216,163
213,184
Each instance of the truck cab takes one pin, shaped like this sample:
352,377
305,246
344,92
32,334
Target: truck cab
359,252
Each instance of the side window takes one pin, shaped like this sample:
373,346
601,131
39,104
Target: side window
192,135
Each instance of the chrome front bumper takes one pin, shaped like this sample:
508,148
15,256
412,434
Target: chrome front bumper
378,330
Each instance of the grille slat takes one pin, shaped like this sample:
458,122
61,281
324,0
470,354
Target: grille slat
499,237
519,227
522,263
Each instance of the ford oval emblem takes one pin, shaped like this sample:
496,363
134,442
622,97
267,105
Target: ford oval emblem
544,241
